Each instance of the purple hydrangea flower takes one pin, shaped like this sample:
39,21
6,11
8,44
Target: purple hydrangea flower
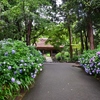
86,70
98,64
98,53
97,71
90,73
93,71
92,64
13,51
92,59
84,65
13,79
33,76
9,67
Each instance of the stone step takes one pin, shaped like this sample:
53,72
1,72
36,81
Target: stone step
49,59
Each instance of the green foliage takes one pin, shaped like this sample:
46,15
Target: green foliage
57,30
75,58
15,16
48,54
58,56
19,66
62,56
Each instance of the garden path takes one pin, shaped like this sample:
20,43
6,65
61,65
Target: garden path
61,81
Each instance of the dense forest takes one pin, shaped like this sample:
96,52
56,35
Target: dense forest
74,23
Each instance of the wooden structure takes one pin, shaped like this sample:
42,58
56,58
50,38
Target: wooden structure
45,48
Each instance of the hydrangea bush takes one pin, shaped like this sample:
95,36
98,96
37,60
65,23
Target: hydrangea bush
90,61
19,65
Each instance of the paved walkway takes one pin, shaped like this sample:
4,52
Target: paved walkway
61,81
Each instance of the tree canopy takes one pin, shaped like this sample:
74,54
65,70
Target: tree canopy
71,22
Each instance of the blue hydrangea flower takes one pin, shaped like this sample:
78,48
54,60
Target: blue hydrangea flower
25,64
21,65
22,61
13,79
15,72
13,51
18,82
9,67
20,70
6,54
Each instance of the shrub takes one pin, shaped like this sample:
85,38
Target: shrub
90,61
62,56
58,56
75,58
19,65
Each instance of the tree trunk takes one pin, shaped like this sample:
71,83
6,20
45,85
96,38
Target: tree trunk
19,37
82,44
28,33
86,40
70,41
90,31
